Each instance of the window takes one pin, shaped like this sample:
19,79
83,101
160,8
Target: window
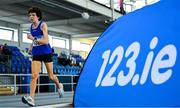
129,5
57,42
78,46
85,47
107,3
25,39
6,34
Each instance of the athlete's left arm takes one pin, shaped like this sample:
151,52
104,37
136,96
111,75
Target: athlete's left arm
45,39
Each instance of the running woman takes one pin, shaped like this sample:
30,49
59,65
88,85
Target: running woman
41,52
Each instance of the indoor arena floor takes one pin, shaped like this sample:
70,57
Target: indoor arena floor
42,100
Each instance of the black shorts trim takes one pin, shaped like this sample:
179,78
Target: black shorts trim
45,58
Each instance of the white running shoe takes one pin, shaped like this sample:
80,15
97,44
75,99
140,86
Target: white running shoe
28,100
61,90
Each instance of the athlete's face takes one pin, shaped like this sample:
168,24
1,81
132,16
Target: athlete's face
33,17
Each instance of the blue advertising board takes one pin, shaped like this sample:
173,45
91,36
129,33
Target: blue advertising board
135,62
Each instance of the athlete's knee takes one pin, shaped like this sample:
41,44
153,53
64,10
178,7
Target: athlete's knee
34,76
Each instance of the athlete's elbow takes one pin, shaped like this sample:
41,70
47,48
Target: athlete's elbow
46,42
43,42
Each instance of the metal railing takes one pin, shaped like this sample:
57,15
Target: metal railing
15,85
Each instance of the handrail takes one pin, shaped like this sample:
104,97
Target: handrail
38,83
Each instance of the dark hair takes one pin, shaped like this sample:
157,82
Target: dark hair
35,10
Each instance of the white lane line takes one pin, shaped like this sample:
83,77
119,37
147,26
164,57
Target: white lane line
53,106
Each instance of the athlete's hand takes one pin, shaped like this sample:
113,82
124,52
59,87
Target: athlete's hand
29,36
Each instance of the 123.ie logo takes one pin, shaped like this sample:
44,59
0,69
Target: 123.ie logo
152,65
